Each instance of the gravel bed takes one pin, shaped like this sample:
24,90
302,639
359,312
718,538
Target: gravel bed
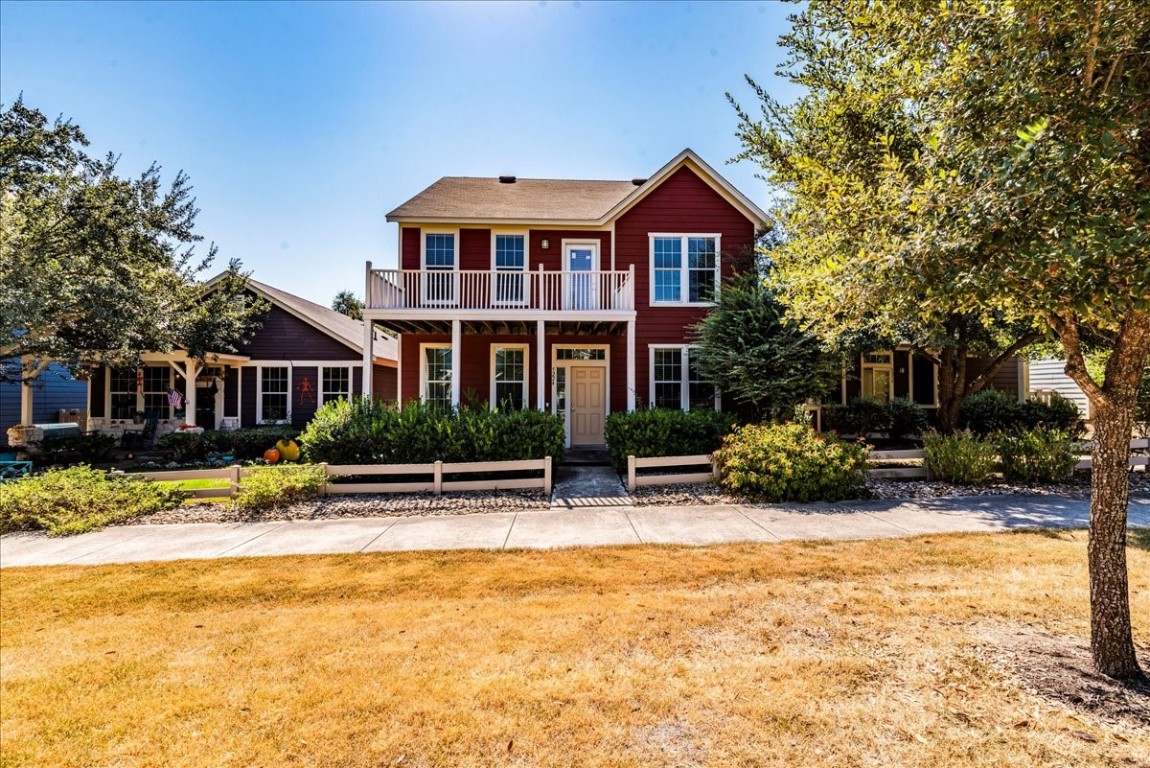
358,505
695,494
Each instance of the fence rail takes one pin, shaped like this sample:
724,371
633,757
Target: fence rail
635,480
433,484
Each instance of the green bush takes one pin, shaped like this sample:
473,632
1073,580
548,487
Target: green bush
95,448
904,418
861,416
185,446
371,432
664,432
790,462
248,444
1036,455
79,499
991,411
1059,414
959,458
275,487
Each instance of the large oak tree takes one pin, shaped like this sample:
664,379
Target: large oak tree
990,161
98,267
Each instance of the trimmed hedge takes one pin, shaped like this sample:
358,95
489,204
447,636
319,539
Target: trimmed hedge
862,416
664,432
371,432
79,499
790,462
991,411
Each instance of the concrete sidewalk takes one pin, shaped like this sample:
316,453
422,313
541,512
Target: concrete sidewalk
697,525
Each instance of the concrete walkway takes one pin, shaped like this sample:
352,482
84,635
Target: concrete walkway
557,528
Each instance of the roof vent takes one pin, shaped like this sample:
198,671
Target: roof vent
638,182
506,179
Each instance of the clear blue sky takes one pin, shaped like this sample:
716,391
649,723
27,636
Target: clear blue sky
302,124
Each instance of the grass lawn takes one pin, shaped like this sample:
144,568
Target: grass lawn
922,652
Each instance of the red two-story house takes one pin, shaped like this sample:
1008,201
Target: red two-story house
569,295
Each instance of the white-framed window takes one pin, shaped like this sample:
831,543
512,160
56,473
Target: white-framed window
122,393
435,374
509,263
440,258
157,382
273,400
509,376
877,374
676,382
684,269
335,383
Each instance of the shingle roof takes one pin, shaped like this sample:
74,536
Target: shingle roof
335,324
465,197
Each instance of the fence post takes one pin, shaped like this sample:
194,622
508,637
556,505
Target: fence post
438,478
323,491
631,474
714,469
234,479
547,475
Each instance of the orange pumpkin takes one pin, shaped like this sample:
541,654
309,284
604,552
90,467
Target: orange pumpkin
271,456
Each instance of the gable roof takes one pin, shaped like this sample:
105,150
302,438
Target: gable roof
461,199
344,329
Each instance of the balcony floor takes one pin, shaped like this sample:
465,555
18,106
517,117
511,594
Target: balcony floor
505,327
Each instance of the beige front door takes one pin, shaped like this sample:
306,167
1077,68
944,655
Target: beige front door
588,401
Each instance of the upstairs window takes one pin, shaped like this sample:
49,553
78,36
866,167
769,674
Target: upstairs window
510,257
684,269
439,263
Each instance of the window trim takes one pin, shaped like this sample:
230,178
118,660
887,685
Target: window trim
684,377
684,269
426,271
423,381
350,382
526,373
495,271
143,395
260,392
887,366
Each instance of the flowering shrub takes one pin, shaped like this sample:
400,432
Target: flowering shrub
790,462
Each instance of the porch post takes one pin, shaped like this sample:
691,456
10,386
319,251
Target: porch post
368,353
630,365
540,367
456,354
191,373
26,391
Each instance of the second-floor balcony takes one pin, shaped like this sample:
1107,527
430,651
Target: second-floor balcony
455,293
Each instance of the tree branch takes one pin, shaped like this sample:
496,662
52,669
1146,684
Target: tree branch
979,381
1065,324
1092,45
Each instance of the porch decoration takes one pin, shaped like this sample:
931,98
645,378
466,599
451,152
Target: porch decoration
288,450
272,456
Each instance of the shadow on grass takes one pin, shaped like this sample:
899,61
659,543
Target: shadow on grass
1139,538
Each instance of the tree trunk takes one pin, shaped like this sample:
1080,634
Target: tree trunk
1111,641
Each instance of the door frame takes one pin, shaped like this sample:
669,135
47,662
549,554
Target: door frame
556,364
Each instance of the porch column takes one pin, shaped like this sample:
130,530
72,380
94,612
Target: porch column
540,366
191,373
26,391
368,353
456,354
630,365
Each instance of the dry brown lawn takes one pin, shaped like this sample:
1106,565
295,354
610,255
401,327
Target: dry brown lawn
904,652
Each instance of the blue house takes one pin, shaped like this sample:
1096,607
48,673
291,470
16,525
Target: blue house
54,390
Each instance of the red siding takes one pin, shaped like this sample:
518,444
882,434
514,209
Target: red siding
552,258
475,247
685,204
382,383
475,364
285,337
410,256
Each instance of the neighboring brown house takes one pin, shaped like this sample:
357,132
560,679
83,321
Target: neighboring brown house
303,355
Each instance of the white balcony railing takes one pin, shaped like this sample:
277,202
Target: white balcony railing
505,291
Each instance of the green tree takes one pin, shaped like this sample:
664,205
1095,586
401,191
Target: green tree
998,166
94,266
346,302
746,346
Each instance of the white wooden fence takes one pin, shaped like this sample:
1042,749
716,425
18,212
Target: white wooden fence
635,480
1138,458
434,483
900,465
